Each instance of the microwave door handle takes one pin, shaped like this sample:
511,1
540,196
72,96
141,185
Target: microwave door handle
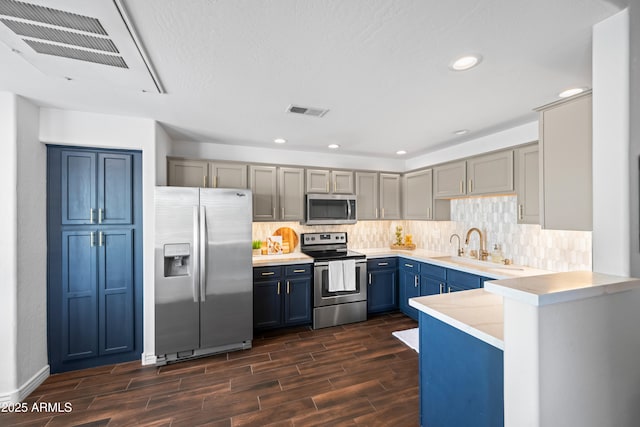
348,209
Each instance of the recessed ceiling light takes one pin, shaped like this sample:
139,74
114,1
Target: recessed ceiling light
461,131
279,140
465,62
333,146
570,92
401,152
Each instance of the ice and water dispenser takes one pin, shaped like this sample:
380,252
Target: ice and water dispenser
177,259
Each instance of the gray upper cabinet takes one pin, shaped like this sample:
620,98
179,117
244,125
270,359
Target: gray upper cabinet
390,196
527,173
449,180
367,195
187,173
264,188
418,195
566,161
227,175
490,173
200,173
329,182
291,194
278,193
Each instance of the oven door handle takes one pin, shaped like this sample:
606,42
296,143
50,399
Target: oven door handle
326,263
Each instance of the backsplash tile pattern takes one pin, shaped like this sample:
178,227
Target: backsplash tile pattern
496,216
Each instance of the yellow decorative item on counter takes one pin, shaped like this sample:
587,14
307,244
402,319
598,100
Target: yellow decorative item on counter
408,240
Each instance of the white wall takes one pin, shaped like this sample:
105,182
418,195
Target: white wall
8,248
163,147
508,138
209,150
107,131
611,209
32,246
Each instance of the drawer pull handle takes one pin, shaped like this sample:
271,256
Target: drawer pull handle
299,271
409,265
270,273
383,263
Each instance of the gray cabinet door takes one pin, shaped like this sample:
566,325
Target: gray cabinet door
449,180
342,182
418,195
390,196
490,173
227,175
263,186
527,172
318,181
291,194
187,173
566,140
367,195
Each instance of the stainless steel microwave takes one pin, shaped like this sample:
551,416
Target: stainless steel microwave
330,209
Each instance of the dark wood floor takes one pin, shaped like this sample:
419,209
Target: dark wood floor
356,374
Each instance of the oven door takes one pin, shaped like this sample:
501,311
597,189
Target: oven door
322,296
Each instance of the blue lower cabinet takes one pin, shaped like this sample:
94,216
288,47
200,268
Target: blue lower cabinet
461,281
382,291
409,288
461,378
281,296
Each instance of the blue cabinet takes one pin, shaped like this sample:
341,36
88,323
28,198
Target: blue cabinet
461,378
382,294
433,279
461,281
94,240
281,296
409,284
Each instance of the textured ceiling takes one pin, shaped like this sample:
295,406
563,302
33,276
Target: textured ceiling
231,68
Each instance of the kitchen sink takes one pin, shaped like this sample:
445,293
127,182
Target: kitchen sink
478,263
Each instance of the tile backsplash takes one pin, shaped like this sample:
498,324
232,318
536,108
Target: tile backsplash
529,245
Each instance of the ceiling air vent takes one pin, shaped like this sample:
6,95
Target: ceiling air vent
56,32
307,111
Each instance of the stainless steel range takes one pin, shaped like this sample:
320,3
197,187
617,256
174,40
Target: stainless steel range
339,279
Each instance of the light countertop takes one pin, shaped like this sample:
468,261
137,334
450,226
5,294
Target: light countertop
560,287
284,259
476,312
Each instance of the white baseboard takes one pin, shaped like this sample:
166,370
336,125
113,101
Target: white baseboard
25,389
149,359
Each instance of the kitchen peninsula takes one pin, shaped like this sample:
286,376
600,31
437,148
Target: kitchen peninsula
561,348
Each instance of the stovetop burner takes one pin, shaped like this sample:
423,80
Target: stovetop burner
327,246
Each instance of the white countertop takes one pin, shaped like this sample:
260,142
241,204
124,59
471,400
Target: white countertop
476,312
473,266
284,259
560,287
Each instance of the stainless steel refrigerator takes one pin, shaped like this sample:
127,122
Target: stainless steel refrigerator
203,272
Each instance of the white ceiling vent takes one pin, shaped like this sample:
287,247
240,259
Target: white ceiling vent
56,32
307,111
78,40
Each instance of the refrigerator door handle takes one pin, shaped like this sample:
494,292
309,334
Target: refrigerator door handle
195,254
203,254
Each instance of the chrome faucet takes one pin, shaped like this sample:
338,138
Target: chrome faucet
460,250
483,254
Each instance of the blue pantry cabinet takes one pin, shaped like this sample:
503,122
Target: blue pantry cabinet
94,238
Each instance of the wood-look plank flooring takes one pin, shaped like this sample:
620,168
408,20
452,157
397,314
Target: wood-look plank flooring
351,375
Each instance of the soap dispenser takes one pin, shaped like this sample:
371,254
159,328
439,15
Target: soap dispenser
496,254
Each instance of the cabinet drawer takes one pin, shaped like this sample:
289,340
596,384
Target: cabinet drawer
267,272
382,263
298,270
410,265
462,279
434,271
